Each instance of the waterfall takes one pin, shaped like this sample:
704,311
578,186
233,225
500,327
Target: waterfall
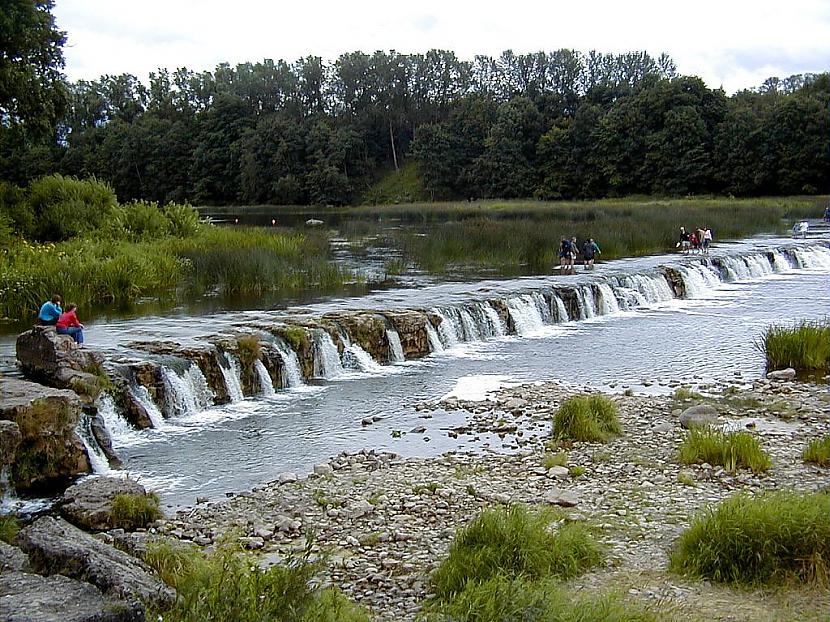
561,312
585,298
395,348
265,383
471,332
497,327
116,425
758,265
608,301
812,257
434,340
780,262
525,314
648,288
326,357
97,460
291,374
232,375
355,357
8,499
447,329
186,393
142,396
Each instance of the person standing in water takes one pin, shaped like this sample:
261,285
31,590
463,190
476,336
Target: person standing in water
707,240
589,250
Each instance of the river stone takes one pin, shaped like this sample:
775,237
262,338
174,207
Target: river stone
698,416
88,505
27,597
56,547
558,472
12,558
323,469
782,374
360,508
563,498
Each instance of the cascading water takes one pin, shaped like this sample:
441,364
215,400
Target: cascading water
142,396
585,298
780,262
468,324
266,385
355,357
396,354
525,314
118,427
232,374
97,460
559,312
607,299
447,329
434,340
494,321
186,393
291,374
327,362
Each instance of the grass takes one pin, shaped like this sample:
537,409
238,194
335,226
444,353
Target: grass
818,451
248,350
229,585
805,346
774,537
591,418
731,450
684,393
9,526
134,511
550,460
514,543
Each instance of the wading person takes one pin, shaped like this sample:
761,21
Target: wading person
564,252
685,241
707,240
574,251
50,311
589,251
68,324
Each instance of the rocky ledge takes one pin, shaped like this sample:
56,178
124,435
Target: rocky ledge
385,522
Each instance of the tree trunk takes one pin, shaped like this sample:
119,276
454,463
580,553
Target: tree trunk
392,142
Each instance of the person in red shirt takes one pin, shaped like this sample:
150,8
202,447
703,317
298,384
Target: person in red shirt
68,324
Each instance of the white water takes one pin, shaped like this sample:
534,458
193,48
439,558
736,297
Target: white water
327,362
497,327
187,393
525,314
355,357
142,396
434,340
232,375
291,374
266,385
608,301
395,348
97,460
116,425
561,311
585,297
447,329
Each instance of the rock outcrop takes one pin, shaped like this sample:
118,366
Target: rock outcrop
365,328
88,504
49,454
56,547
675,280
698,416
9,442
411,328
207,357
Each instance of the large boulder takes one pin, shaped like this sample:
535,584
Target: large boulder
56,547
675,281
365,328
782,374
12,559
88,504
27,597
57,361
698,416
49,454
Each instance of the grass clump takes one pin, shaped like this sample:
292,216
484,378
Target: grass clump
9,526
804,346
560,458
774,537
514,543
591,418
229,585
818,451
248,350
134,511
731,450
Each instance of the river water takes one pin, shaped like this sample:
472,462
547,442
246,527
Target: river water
207,451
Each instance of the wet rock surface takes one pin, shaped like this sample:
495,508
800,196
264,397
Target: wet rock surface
88,504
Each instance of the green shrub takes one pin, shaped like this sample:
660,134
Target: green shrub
229,585
182,220
140,220
591,418
731,450
15,210
134,511
514,543
9,526
773,537
803,346
65,207
818,451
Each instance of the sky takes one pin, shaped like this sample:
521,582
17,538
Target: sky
734,44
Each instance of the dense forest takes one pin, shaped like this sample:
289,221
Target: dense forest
550,125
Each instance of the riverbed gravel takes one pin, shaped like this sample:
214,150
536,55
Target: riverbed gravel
382,523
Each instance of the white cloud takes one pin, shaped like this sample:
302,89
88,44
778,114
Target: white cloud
732,43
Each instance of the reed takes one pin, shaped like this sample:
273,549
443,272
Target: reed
774,537
818,451
590,418
804,346
731,450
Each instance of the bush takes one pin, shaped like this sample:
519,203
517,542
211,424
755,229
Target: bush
15,210
501,599
773,537
731,450
182,220
139,220
803,346
591,418
134,511
229,585
514,543
818,451
65,207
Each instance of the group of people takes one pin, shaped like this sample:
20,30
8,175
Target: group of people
65,322
695,241
568,250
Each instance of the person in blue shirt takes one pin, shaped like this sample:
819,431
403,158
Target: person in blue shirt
50,311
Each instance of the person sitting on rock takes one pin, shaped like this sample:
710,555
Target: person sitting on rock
68,324
49,312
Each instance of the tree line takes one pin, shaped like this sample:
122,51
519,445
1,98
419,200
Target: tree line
559,124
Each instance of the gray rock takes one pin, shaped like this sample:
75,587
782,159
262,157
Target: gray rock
287,478
56,360
662,428
698,416
323,469
360,508
27,597
558,472
782,374
88,505
563,498
9,442
12,558
56,547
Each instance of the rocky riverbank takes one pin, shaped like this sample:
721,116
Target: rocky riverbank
383,523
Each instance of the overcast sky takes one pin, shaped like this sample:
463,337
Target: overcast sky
731,43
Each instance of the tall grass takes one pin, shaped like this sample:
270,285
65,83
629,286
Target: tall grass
774,537
9,526
818,451
514,543
731,450
803,346
229,585
134,511
590,418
